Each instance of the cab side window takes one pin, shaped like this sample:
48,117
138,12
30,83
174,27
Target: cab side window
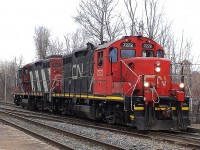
100,58
20,73
113,54
160,53
26,72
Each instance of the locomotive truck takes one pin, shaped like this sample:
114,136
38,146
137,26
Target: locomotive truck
127,81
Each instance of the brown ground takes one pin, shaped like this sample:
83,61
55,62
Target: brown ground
13,139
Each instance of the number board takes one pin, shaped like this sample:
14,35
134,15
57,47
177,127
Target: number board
130,45
149,46
56,65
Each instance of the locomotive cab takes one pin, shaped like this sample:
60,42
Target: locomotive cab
26,78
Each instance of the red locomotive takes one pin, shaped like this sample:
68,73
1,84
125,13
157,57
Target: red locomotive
127,81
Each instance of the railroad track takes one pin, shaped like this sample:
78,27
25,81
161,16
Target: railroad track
78,121
84,140
34,134
8,104
180,138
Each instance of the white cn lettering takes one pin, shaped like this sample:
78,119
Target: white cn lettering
164,82
77,70
159,79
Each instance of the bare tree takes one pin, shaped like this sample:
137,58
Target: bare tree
11,77
131,7
77,39
151,23
67,44
185,48
179,49
153,18
166,38
8,71
55,47
2,79
41,38
19,62
97,19
113,24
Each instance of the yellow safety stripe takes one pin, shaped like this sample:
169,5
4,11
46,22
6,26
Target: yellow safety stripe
185,108
118,98
173,108
132,117
163,108
32,94
160,108
89,96
138,108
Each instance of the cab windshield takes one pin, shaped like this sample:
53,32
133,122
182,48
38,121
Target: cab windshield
147,53
127,53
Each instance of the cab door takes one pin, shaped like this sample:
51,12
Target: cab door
26,79
56,74
99,72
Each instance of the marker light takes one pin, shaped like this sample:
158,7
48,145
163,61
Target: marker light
146,84
157,69
140,34
181,85
157,63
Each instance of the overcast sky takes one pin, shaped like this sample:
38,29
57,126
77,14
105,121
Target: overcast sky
19,17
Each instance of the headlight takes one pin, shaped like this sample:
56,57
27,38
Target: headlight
157,69
146,84
181,85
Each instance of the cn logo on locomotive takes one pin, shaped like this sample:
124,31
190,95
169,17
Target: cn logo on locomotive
77,71
159,79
